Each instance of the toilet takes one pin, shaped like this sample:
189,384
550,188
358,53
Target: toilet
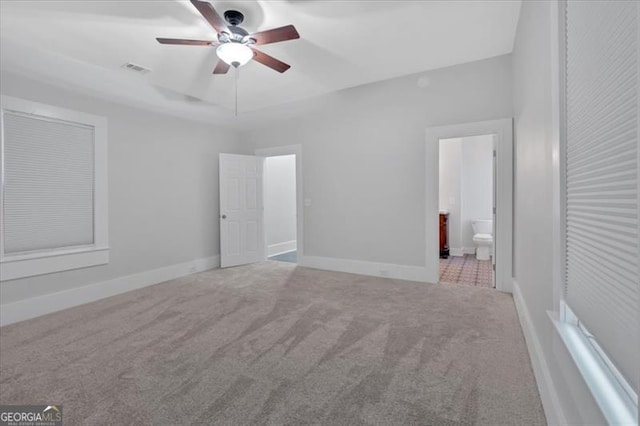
482,238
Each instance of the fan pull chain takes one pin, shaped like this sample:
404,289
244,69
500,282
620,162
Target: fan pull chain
236,85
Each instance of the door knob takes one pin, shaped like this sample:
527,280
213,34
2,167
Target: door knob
224,216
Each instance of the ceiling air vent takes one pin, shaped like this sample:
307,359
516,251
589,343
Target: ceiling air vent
136,68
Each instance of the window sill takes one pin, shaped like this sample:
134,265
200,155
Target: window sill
617,406
33,264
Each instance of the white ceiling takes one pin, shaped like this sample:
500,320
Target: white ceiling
83,44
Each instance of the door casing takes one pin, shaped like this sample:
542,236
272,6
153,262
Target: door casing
503,243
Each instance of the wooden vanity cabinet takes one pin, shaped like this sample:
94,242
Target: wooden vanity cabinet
444,235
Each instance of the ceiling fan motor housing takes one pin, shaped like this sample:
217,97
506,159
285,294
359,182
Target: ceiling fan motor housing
237,31
235,35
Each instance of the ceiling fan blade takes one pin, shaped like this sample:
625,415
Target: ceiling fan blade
221,68
276,35
210,15
181,41
270,61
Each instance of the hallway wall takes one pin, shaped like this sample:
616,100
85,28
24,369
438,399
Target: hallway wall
280,203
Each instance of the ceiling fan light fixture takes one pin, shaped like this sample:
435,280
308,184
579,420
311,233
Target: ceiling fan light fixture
235,54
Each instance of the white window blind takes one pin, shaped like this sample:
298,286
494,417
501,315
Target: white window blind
48,178
602,273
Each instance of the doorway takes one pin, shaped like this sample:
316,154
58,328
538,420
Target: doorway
502,131
466,206
283,203
280,222
242,231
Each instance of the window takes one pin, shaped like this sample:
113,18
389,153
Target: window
600,321
53,203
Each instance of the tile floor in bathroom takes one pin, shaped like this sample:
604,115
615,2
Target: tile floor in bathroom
466,270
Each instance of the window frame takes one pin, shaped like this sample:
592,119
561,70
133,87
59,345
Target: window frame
26,264
615,397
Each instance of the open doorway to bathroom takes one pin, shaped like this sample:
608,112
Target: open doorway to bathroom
466,204
280,204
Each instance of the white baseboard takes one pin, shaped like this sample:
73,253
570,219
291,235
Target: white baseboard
461,251
456,251
286,247
48,303
387,270
547,389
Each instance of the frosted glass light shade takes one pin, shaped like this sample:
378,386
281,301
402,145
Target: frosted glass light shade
235,54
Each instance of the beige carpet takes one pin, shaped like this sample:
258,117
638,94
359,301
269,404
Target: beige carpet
277,344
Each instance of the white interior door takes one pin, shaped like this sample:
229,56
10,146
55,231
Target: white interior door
241,210
494,177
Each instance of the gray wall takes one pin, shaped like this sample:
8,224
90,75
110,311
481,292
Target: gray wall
364,158
163,189
533,203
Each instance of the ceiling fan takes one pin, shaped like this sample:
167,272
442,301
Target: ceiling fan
236,46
